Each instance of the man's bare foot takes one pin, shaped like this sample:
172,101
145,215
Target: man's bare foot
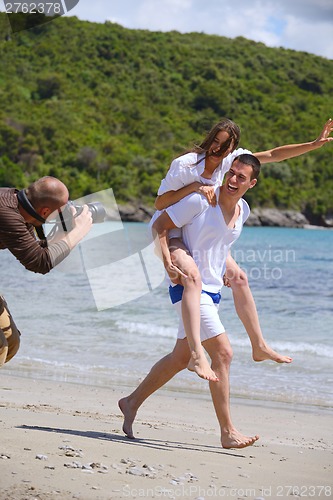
234,439
129,416
199,364
265,352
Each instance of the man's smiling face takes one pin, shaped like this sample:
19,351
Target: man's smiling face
238,180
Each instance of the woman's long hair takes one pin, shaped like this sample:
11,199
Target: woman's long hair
225,125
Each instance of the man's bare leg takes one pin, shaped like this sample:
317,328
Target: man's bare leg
167,367
220,351
247,312
160,374
191,309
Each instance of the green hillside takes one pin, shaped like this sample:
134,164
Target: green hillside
100,106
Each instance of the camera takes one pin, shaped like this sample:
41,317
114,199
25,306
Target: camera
66,215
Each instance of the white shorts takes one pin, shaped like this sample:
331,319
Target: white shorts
210,324
173,233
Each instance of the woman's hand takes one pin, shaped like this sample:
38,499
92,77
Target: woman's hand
175,274
325,133
209,193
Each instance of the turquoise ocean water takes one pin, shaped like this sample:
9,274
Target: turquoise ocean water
66,338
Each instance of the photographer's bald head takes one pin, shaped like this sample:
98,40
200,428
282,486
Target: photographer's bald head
41,198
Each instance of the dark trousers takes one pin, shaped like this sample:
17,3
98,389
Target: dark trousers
9,334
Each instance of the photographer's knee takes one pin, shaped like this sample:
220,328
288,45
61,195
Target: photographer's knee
13,345
3,349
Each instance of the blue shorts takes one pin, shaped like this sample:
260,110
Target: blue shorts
210,322
176,294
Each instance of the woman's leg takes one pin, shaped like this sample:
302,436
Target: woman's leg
247,312
191,308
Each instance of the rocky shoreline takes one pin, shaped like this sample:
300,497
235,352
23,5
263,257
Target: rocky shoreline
271,217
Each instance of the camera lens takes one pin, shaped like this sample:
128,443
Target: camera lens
97,211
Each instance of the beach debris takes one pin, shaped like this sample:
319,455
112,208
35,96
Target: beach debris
52,467
140,471
4,456
188,477
89,467
150,468
97,465
135,468
128,461
73,465
70,451
41,457
74,453
136,471
103,471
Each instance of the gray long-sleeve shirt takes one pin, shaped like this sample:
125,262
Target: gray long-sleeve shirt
19,238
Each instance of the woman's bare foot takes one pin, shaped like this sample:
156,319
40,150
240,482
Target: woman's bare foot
129,416
234,439
199,364
265,352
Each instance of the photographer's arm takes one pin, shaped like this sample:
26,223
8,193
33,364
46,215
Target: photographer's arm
19,238
82,225
292,150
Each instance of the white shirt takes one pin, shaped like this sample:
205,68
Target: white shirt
189,168
207,236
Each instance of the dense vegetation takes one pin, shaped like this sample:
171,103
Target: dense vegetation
98,105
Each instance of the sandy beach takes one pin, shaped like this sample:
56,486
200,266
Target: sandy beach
61,440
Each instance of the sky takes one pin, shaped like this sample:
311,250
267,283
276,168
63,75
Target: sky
305,25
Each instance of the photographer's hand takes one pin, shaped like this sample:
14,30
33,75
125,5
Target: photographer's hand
82,225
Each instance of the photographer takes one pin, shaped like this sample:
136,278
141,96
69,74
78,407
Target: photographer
22,214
